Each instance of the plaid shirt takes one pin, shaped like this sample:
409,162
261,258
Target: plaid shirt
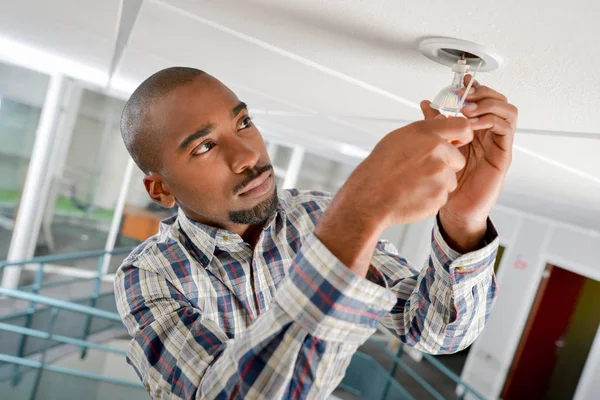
212,317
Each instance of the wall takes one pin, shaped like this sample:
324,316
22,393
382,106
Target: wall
531,242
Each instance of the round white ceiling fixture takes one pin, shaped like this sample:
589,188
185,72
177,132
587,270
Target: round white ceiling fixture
448,51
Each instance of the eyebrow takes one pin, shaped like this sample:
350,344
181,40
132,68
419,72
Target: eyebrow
209,128
195,136
238,109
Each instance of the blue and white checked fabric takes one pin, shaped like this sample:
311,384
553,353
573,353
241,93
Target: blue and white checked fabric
213,318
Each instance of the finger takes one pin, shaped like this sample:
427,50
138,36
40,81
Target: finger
494,123
452,180
503,133
502,109
455,130
428,112
482,92
468,78
455,159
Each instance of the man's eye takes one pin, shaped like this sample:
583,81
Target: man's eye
204,148
246,123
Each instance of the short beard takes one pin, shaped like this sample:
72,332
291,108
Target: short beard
256,215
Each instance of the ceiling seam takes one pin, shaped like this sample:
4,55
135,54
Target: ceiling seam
295,57
557,164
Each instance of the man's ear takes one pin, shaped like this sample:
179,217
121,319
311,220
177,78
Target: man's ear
159,190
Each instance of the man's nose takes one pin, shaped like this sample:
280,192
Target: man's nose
242,155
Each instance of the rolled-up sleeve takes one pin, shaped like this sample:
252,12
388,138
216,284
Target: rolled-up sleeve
299,348
443,307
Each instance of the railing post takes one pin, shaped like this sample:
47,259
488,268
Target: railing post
93,301
35,288
393,371
115,224
293,168
38,376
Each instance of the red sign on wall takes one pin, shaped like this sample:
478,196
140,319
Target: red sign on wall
521,263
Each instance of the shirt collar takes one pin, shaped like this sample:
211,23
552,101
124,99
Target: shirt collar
206,238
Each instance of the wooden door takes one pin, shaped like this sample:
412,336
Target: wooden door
537,354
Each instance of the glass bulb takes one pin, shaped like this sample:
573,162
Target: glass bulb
448,99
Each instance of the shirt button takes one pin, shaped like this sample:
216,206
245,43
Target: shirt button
148,387
226,238
460,269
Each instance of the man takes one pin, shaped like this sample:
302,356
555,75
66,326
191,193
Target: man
250,292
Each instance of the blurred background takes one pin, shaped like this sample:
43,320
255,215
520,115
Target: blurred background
324,81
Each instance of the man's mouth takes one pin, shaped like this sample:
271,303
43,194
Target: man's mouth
257,186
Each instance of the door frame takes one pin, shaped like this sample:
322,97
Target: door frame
587,375
539,295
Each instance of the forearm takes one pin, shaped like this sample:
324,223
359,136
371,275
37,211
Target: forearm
442,308
350,231
461,235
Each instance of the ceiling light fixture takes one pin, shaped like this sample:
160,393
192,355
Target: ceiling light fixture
461,55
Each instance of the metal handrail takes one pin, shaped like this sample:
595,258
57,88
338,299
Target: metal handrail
68,371
65,257
64,305
30,293
39,285
436,363
59,338
25,313
388,378
446,371
57,283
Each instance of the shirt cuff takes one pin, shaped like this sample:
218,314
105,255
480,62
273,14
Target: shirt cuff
465,268
328,299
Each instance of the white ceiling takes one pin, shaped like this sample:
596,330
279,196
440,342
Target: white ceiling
357,58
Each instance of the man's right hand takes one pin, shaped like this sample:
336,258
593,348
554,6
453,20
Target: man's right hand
406,178
411,171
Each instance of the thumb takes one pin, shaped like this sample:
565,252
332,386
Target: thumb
428,112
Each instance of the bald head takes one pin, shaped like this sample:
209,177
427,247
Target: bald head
139,132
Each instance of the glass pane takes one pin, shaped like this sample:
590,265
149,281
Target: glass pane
141,217
86,182
87,179
282,156
323,174
16,389
58,386
369,380
22,95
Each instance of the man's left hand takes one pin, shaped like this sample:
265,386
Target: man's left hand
494,120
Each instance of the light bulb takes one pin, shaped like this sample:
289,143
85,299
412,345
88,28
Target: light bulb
448,99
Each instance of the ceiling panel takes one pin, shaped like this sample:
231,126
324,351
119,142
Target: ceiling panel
578,153
79,30
551,71
183,41
359,58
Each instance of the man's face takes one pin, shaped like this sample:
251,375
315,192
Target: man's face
214,162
